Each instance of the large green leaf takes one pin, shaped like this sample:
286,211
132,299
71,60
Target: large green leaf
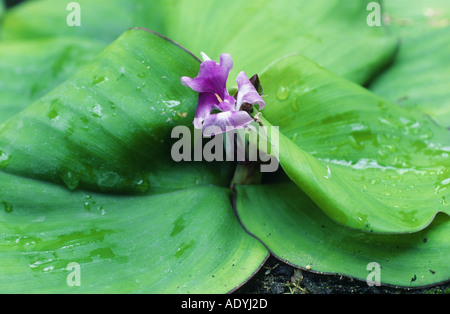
297,231
103,128
183,241
332,33
177,233
420,73
100,19
368,164
29,69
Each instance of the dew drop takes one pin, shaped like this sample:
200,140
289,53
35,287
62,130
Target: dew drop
142,75
122,73
441,186
171,103
329,174
53,114
294,137
98,80
283,93
4,160
294,105
109,179
142,185
96,111
85,126
8,207
87,205
70,179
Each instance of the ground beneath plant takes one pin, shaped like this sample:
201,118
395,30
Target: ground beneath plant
276,277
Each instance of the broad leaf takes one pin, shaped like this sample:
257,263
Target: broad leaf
420,74
109,123
29,69
103,128
183,241
368,164
99,19
332,33
298,232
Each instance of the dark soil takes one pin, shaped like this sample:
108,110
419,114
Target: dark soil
276,277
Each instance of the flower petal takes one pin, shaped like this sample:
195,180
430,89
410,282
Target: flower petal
226,61
226,121
206,103
212,76
228,104
198,84
247,93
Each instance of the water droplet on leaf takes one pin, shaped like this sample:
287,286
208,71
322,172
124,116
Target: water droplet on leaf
4,159
70,179
96,111
8,207
283,93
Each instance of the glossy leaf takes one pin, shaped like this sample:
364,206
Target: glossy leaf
368,164
182,241
419,76
332,33
99,19
161,233
298,232
29,69
103,128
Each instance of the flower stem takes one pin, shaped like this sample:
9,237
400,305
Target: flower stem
246,174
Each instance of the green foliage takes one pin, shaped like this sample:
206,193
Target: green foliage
86,115
367,163
419,76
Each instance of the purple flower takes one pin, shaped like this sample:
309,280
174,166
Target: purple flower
213,95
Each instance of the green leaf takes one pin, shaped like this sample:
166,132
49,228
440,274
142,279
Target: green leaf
298,232
182,241
103,128
103,20
368,164
332,33
29,69
419,76
108,129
